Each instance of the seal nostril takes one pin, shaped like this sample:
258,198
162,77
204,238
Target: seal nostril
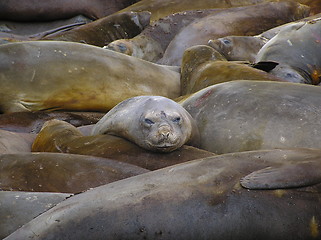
165,134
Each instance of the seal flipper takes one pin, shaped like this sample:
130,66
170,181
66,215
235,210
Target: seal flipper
291,175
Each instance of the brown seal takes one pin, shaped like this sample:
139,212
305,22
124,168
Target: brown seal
247,21
152,42
203,66
42,75
105,30
33,10
31,122
238,48
60,136
30,28
60,172
163,8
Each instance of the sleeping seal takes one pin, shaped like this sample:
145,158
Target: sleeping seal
152,122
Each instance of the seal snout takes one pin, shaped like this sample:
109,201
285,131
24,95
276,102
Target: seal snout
164,131
165,137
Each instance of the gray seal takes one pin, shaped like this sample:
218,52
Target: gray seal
154,123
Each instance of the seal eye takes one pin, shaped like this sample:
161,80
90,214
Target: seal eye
122,47
177,120
226,41
148,121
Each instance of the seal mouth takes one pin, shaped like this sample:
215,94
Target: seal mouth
165,147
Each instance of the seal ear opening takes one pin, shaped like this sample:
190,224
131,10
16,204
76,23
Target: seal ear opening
265,66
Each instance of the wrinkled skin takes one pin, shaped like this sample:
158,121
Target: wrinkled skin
202,199
152,122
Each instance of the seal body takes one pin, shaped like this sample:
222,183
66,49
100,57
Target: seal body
60,172
105,30
201,199
295,48
152,122
31,122
44,75
13,142
246,48
152,42
30,28
203,66
163,8
33,10
250,115
60,136
247,21
238,48
18,208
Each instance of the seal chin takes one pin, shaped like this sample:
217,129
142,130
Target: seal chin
166,148
163,147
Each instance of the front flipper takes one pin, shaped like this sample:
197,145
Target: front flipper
291,175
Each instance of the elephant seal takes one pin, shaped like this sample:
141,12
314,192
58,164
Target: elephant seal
202,66
273,31
295,49
105,30
31,28
154,123
31,122
152,42
18,208
252,115
60,136
201,199
60,172
163,8
42,75
238,48
246,48
33,10
13,142
247,21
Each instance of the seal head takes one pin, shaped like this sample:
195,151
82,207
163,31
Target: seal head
154,123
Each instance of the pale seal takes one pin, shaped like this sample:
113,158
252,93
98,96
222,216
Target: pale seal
154,123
